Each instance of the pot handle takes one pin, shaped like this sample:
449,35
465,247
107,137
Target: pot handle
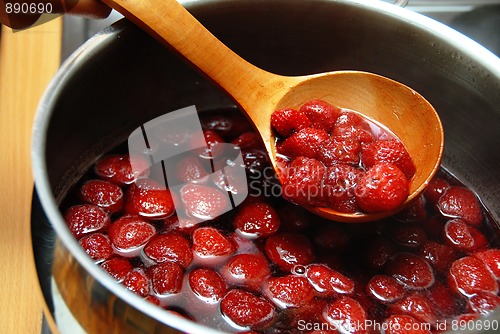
401,3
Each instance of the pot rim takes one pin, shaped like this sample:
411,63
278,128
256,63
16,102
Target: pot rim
98,43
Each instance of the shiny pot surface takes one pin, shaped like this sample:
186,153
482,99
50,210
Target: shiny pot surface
122,78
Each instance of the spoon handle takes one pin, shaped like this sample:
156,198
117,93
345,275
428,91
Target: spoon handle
171,24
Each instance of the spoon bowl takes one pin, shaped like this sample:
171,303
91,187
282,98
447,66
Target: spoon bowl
259,93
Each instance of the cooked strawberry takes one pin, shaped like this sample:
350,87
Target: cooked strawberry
85,219
166,278
404,324
382,188
464,237
288,121
328,281
331,237
289,291
204,202
409,236
312,312
289,249
391,151
306,142
414,212
192,169
340,184
97,246
169,247
247,310
225,124
118,169
385,289
460,202
445,301
469,276
410,270
491,258
207,284
416,305
148,199
484,302
439,256
247,270
137,281
378,252
118,267
340,151
104,194
349,118
210,242
349,125
248,140
255,160
303,183
347,315
212,138
433,226
255,220
321,114
130,233
436,188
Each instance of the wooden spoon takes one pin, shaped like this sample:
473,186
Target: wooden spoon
259,93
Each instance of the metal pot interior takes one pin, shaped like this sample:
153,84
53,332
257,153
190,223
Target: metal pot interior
123,78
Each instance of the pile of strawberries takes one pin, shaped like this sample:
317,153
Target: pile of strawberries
335,158
270,266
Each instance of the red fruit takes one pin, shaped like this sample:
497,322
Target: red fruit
97,246
137,281
147,199
130,233
340,184
303,183
104,194
86,218
350,125
289,291
445,302
169,247
321,114
225,124
464,237
411,271
378,253
289,249
382,188
349,118
385,289
414,212
248,140
212,138
484,302
328,281
347,315
340,151
247,270
307,143
435,190
247,310
469,276
417,306
255,160
288,121
409,236
433,226
391,151
118,267
255,220
204,202
439,256
312,313
192,170
209,242
491,258
207,284
166,278
293,218
404,324
460,202
118,169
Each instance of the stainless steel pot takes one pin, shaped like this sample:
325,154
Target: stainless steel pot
122,78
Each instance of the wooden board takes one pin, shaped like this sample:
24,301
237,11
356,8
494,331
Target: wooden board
28,60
